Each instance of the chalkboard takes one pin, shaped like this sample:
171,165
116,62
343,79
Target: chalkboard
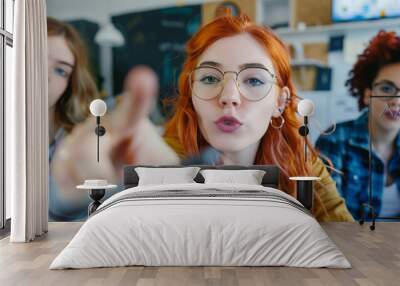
87,30
155,38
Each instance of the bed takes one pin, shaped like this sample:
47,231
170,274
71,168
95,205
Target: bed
201,224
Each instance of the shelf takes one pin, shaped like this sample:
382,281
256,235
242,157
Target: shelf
317,96
322,33
314,93
307,62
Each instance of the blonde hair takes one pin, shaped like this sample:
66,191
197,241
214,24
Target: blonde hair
73,105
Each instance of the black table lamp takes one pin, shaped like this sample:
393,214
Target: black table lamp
305,108
98,108
305,192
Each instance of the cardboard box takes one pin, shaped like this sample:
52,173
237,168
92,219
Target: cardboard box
316,51
210,11
312,77
310,12
304,77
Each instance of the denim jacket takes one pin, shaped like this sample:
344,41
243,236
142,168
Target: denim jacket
348,149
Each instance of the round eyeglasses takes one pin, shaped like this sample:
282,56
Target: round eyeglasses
253,83
385,90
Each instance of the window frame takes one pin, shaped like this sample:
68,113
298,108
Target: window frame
6,39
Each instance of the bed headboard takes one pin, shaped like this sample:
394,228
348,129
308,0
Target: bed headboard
271,177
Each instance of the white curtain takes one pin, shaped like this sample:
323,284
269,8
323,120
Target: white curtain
27,124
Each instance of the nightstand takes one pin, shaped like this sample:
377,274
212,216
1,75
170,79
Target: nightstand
305,190
96,193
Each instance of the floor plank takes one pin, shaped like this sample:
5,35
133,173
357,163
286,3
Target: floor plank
374,255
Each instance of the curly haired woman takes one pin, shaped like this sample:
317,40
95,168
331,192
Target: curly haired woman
376,73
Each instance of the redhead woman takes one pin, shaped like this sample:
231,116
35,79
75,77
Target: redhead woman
236,97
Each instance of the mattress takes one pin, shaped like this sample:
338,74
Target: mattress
201,225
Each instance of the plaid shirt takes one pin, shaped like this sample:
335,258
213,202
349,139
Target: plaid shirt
348,149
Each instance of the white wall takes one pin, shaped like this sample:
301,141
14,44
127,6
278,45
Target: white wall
275,12
8,80
337,105
99,10
334,106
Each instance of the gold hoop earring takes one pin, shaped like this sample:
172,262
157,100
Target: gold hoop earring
281,125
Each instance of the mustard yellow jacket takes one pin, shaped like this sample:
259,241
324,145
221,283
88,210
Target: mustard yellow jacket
328,204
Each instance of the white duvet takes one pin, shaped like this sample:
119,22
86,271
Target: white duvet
185,231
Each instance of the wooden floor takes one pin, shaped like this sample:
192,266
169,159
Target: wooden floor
374,255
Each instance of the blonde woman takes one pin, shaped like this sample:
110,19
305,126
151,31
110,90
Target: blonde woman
71,88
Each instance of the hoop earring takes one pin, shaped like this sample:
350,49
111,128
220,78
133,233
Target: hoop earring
281,125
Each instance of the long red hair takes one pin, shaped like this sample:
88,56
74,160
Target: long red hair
282,147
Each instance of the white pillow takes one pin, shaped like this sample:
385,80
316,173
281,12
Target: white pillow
162,176
248,177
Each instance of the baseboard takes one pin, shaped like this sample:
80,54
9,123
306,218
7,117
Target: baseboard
5,231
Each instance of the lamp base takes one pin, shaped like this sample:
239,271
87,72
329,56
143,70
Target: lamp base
96,195
305,190
100,130
305,193
304,130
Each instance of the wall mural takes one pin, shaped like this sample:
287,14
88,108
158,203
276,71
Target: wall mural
178,93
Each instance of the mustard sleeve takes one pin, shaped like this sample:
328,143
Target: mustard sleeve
176,146
328,204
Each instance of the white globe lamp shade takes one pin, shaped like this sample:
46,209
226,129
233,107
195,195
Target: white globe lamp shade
306,107
98,107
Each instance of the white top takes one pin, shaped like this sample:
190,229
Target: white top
305,178
390,202
390,205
